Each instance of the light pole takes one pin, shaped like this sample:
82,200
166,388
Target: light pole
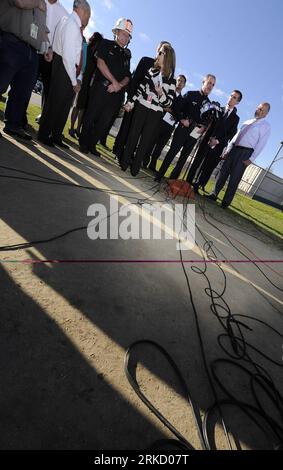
275,159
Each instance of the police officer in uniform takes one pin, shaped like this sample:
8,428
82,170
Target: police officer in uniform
108,85
189,117
209,154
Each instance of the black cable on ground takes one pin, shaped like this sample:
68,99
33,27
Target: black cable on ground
238,249
239,345
23,246
132,380
228,322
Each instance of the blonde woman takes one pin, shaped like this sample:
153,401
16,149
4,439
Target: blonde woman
155,93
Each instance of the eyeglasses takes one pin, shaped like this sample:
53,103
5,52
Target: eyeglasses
161,53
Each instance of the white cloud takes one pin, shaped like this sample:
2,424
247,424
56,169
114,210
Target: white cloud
108,4
191,85
220,93
144,37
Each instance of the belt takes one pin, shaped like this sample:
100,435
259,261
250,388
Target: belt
243,148
13,38
10,35
105,82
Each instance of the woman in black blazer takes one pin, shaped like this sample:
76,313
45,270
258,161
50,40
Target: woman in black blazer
155,93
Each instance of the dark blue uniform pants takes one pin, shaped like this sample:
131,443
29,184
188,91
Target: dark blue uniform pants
18,68
181,140
102,107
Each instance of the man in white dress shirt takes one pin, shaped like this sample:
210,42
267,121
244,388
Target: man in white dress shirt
66,76
241,152
54,13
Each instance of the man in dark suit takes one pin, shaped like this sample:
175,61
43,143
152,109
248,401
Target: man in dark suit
138,76
189,117
210,151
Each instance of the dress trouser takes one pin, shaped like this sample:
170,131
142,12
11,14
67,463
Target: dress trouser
185,153
181,140
145,122
164,134
198,161
234,168
101,108
103,138
57,107
122,135
45,72
207,169
18,68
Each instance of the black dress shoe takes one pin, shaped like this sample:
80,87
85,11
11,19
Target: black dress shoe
118,156
134,171
224,205
83,149
61,144
17,133
123,166
211,196
95,152
158,178
45,141
196,188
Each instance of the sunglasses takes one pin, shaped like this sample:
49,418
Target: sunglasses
161,53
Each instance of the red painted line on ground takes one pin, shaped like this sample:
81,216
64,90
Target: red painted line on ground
122,261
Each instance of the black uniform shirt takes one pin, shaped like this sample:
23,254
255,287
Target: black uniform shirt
116,58
91,62
191,106
177,106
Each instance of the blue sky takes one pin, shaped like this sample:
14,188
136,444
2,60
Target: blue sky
240,42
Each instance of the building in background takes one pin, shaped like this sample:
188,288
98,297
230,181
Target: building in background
263,186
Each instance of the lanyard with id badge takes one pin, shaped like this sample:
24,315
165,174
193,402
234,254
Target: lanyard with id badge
33,28
157,80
